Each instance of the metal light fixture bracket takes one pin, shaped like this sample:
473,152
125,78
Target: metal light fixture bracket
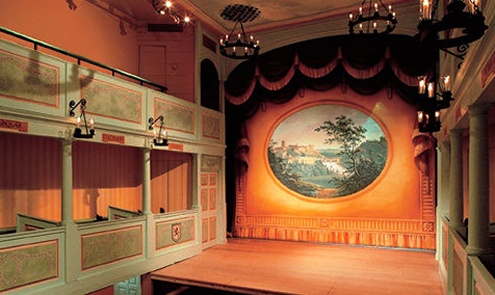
160,139
89,131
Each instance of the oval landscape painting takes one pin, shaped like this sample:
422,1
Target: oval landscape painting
327,151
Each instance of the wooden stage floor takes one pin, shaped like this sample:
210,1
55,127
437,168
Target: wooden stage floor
275,267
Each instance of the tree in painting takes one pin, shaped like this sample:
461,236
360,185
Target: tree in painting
363,159
286,173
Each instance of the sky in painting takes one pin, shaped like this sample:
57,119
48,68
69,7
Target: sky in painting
298,128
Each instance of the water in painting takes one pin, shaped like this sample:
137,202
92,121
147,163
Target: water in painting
327,151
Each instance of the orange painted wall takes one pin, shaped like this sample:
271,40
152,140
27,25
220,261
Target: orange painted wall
88,30
395,194
179,59
105,175
171,181
92,32
30,177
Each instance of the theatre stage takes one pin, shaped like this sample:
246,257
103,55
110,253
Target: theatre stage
276,267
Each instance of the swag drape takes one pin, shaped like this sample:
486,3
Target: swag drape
366,63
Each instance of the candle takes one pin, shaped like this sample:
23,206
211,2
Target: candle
446,83
426,9
350,16
78,122
431,90
376,7
91,124
422,85
437,116
360,10
420,117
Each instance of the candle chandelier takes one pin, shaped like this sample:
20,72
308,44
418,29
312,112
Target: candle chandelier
369,20
237,44
461,24
166,7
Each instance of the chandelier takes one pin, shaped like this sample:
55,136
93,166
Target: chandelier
461,24
430,102
466,19
237,44
166,7
372,21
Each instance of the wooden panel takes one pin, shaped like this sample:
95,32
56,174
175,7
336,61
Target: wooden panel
127,104
213,228
125,243
204,229
28,264
105,175
177,117
204,199
32,185
211,163
173,232
29,79
213,199
211,126
458,274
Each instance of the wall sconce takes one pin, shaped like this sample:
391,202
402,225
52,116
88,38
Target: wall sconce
160,136
89,127
430,103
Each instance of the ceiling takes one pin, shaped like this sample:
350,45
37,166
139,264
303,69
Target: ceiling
274,13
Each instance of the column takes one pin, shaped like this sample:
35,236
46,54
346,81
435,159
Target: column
146,181
444,178
66,181
456,210
479,193
72,237
150,222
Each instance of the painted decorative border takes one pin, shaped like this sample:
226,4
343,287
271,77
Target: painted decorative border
386,239
110,100
29,80
211,126
211,163
341,224
176,116
166,232
110,246
28,264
